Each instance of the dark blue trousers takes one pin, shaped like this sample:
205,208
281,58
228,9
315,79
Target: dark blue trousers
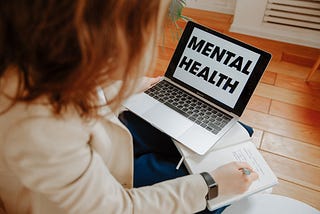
155,155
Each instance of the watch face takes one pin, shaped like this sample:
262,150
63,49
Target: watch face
213,192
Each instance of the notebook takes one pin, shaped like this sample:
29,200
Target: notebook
236,145
205,89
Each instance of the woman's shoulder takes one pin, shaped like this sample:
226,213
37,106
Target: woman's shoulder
36,125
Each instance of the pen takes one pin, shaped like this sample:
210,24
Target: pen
246,171
180,162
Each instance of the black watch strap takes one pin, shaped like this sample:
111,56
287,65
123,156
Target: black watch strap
212,185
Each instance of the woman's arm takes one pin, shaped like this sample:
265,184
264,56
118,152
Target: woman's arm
54,158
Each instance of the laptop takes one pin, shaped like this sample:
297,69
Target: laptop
205,89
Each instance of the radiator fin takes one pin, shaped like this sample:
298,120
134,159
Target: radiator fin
296,13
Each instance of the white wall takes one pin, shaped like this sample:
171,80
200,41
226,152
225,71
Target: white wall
222,6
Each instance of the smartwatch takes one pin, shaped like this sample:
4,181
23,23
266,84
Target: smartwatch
212,185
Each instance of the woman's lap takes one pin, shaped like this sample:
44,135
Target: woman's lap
155,155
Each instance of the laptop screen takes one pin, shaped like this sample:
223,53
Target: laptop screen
219,68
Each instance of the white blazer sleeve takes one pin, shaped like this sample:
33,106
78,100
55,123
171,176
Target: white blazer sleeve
54,158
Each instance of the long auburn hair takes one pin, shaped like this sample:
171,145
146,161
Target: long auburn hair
65,49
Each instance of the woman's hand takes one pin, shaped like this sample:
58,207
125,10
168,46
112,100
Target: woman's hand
146,82
231,179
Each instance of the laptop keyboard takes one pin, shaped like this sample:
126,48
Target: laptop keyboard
194,109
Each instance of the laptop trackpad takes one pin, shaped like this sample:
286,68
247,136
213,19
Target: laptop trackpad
167,120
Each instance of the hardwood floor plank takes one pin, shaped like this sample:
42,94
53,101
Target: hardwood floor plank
287,68
295,113
165,53
297,58
306,52
299,85
269,77
294,171
282,127
158,70
288,96
161,67
259,103
300,193
171,33
217,21
292,149
315,78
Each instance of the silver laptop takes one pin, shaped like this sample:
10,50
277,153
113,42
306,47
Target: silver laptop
205,89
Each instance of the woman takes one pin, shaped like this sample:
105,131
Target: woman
62,148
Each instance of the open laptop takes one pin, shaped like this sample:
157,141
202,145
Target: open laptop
205,89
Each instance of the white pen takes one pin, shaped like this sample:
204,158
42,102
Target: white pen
180,162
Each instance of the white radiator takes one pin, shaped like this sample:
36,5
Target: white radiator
293,21
295,13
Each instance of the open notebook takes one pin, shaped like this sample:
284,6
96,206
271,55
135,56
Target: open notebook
236,145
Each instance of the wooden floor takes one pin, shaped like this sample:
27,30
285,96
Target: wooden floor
284,110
